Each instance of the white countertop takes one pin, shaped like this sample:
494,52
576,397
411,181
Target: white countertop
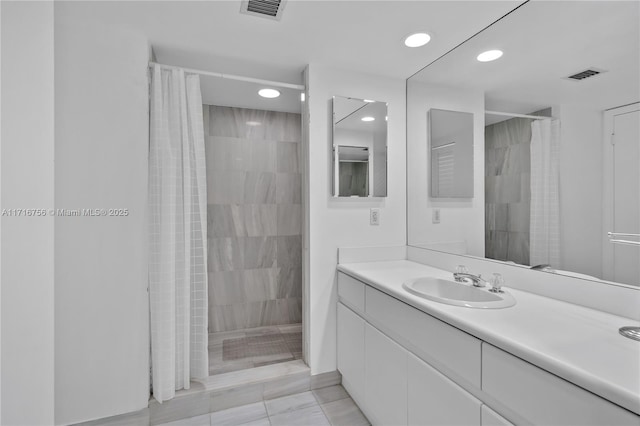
579,344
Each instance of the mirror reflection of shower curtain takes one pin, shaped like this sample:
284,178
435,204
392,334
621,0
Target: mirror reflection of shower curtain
177,233
545,201
354,178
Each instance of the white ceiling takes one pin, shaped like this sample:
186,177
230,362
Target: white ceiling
365,36
544,42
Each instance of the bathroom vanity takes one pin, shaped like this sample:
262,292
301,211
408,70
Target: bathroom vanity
409,360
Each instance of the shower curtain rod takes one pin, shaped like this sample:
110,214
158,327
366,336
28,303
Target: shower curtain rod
231,77
508,114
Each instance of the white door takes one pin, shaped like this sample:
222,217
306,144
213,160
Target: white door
623,186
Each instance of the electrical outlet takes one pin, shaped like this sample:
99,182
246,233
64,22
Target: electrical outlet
435,217
374,217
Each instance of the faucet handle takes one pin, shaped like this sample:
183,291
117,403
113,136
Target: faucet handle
496,283
461,269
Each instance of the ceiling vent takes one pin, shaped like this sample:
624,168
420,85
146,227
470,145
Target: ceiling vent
582,75
271,9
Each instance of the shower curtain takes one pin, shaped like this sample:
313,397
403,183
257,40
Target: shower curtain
177,234
545,193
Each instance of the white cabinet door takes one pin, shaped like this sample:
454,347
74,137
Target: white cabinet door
543,398
491,418
351,352
436,400
385,379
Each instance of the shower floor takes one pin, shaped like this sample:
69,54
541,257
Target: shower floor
254,347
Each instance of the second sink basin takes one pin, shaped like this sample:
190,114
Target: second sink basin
453,293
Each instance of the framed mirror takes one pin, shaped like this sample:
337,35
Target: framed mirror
359,147
556,154
451,153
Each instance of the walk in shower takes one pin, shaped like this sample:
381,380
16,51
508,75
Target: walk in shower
254,237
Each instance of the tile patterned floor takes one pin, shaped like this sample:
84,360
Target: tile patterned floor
255,347
329,406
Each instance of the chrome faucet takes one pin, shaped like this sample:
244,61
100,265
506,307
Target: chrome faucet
477,280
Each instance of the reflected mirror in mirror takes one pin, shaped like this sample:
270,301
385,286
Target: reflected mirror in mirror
559,121
451,153
353,171
359,147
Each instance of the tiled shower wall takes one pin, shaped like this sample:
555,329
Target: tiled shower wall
254,217
508,189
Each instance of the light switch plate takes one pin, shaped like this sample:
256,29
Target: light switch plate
374,217
435,217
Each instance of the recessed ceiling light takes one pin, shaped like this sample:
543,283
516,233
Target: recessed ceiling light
417,40
268,93
253,123
368,100
367,119
302,97
489,55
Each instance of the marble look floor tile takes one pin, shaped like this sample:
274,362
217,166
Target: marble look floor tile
239,415
344,412
310,416
180,407
322,380
287,386
330,394
261,422
235,396
138,418
202,420
290,403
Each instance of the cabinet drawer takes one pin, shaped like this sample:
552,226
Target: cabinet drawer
433,339
543,398
351,291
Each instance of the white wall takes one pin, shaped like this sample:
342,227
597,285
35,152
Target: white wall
334,223
27,386
101,299
581,180
460,219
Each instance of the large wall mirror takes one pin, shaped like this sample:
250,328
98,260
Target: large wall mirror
359,147
556,156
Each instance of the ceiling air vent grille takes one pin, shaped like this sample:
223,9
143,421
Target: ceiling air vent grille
271,9
585,74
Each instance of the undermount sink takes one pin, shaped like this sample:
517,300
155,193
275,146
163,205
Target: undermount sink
453,293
